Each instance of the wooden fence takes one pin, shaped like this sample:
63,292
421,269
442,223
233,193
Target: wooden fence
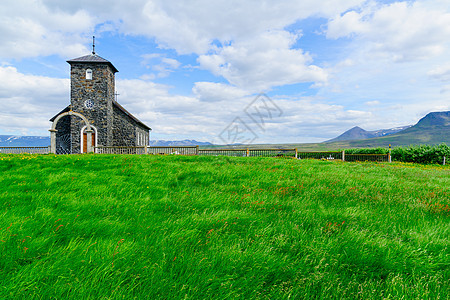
20,150
328,155
273,152
224,152
180,150
194,150
368,157
120,150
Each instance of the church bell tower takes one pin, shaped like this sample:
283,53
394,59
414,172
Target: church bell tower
92,88
94,121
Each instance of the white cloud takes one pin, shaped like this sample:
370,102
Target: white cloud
45,91
29,101
441,73
29,29
162,65
400,31
395,53
262,62
214,92
191,26
372,103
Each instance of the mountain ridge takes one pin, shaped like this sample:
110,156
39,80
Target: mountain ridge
433,128
24,141
357,133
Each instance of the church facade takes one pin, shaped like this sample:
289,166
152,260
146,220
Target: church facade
92,92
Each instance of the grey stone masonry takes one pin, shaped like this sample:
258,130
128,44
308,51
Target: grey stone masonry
93,98
127,130
92,80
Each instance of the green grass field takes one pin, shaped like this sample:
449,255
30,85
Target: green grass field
178,227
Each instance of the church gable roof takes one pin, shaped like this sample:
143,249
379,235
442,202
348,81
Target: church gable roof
92,58
62,111
121,108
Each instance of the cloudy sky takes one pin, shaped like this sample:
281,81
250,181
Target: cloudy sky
193,69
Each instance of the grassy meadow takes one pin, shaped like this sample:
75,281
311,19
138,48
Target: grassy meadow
180,227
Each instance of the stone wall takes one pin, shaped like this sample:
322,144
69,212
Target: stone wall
124,129
100,90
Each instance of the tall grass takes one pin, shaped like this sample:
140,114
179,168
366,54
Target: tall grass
173,227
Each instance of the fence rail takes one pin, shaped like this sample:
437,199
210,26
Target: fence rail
30,150
273,152
367,157
248,152
224,152
181,150
194,150
329,155
120,150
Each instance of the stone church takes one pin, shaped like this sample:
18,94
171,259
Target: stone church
94,118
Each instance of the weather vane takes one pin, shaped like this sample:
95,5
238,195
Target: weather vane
93,45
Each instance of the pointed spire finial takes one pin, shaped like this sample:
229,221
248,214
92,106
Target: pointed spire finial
93,45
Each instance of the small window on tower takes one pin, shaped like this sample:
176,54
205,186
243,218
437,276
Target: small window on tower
88,74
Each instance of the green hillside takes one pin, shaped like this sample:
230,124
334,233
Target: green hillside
189,227
433,129
410,136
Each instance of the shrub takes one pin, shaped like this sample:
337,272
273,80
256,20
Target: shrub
423,154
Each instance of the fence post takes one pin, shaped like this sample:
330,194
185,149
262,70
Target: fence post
53,140
196,150
248,152
389,155
443,162
296,153
145,149
343,155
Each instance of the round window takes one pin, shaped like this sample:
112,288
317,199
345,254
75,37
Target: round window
89,104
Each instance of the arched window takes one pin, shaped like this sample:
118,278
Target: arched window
89,74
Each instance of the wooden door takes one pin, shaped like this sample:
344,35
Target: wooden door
85,141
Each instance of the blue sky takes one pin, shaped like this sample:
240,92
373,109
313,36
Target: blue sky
188,69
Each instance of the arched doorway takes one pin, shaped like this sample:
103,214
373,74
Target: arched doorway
84,139
53,131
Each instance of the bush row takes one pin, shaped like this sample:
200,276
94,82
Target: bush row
423,154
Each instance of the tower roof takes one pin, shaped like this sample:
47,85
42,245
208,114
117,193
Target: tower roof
92,58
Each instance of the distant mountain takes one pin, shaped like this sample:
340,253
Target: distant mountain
178,143
434,119
432,129
24,141
357,133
